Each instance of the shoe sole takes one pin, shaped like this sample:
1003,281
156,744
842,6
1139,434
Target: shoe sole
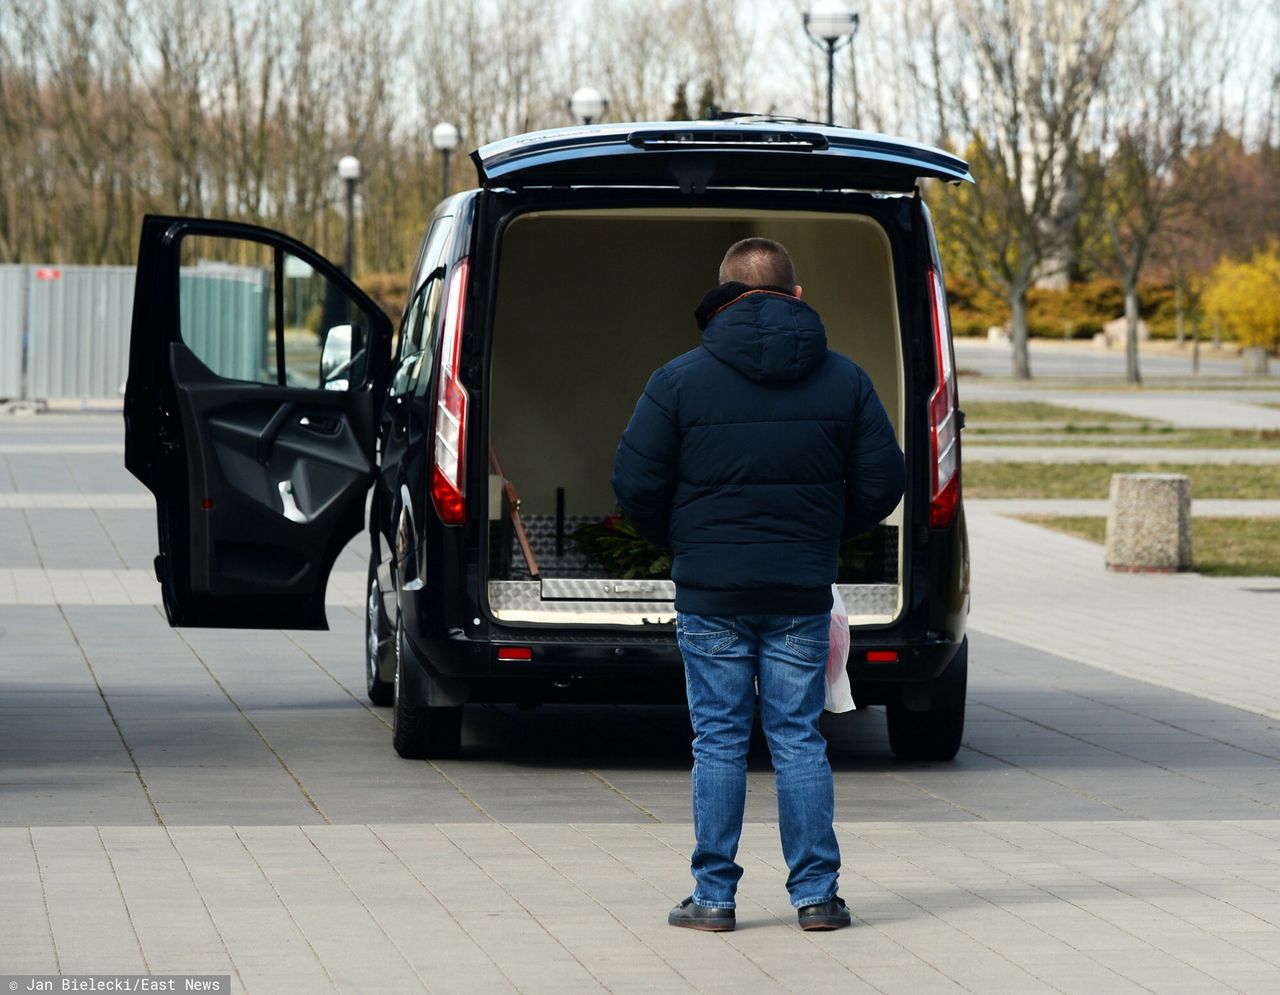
704,927
824,925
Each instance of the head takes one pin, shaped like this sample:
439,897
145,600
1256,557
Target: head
759,262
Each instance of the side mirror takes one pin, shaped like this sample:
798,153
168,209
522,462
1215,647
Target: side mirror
336,358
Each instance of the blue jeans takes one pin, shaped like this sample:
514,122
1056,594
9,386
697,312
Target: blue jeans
724,658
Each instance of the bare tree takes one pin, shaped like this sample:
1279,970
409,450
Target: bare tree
1157,109
1019,89
241,108
23,188
723,38
641,61
179,33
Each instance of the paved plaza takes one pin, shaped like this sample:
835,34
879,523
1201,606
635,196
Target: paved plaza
227,802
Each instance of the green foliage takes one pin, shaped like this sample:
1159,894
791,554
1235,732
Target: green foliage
615,545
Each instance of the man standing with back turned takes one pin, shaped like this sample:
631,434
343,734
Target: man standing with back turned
751,457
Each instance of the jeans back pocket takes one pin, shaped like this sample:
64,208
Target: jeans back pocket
708,643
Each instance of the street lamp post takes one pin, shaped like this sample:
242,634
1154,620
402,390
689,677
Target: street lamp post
587,104
444,139
831,25
349,172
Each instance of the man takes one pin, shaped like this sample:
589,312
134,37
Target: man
751,457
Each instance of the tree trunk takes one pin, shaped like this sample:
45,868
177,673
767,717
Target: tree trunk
1131,372
1180,312
1019,333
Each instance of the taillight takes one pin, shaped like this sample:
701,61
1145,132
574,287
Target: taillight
448,470
944,492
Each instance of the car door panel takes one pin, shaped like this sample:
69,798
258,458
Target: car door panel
301,478
258,485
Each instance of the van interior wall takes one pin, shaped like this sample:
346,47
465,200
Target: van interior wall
589,305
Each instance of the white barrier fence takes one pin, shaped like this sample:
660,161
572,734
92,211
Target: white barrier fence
64,331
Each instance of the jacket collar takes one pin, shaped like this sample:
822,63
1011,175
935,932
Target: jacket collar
719,298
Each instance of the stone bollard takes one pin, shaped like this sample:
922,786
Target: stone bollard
1255,360
1149,523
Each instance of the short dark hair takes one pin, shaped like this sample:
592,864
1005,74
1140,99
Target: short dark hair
758,262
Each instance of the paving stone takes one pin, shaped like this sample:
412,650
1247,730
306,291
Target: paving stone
1111,823
87,914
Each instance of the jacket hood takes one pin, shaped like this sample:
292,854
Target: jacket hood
766,334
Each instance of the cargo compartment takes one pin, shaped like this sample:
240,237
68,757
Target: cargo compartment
589,303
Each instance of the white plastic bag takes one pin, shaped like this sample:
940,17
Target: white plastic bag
839,694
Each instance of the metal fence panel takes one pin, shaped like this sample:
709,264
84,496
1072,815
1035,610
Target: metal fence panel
78,328
13,306
77,320
225,319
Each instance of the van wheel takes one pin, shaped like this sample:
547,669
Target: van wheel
377,644
419,732
933,734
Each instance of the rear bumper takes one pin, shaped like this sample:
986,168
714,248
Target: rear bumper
603,664
603,670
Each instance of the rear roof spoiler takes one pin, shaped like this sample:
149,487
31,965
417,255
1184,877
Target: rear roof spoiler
719,153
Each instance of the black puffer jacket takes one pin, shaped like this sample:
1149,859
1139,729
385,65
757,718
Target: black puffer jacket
752,456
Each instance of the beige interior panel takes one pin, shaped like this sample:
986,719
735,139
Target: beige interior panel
589,304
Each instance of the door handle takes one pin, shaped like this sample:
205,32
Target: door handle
267,437
320,424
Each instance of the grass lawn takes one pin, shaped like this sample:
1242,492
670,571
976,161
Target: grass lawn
1160,435
1036,411
1074,427
1151,384
1220,547
1093,480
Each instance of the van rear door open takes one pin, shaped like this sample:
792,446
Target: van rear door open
589,301
725,154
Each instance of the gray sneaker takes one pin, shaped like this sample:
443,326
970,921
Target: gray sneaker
691,915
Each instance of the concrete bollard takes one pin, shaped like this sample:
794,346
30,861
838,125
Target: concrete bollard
1149,523
1255,361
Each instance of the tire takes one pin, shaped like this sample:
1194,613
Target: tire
420,732
377,643
933,734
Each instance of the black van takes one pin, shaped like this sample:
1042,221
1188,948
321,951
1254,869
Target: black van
267,395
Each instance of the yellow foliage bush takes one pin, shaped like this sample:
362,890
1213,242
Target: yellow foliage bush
1245,296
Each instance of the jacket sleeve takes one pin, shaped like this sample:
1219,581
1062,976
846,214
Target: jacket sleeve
875,474
644,469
